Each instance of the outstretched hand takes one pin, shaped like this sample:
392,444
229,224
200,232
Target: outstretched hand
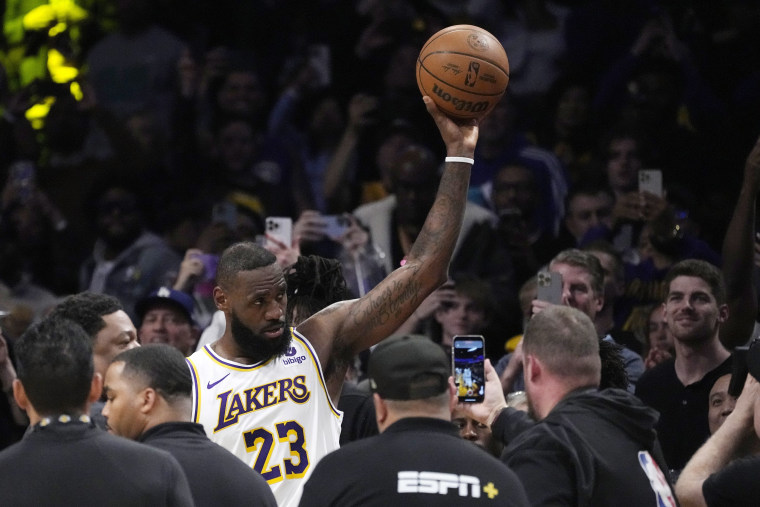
460,136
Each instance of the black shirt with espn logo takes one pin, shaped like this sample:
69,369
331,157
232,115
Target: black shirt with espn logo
415,462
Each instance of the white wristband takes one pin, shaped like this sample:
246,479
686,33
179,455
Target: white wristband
464,160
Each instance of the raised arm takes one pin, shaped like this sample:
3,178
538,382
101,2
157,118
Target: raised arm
732,440
738,256
347,328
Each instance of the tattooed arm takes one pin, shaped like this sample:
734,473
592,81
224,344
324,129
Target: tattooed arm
344,329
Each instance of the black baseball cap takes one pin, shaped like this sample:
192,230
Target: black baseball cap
408,367
166,296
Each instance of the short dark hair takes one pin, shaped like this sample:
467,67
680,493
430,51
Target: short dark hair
161,366
314,283
699,269
243,256
88,309
591,187
54,364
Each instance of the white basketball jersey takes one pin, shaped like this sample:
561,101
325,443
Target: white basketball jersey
276,416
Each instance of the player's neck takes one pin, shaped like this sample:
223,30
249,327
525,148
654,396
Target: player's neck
226,348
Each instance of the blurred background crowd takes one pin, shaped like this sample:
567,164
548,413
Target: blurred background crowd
140,138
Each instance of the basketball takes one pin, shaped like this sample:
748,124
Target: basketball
464,69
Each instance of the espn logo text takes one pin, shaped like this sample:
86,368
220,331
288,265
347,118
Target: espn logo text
437,483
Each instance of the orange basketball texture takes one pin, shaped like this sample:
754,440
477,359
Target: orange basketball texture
464,69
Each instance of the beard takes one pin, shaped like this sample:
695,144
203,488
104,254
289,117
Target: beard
255,346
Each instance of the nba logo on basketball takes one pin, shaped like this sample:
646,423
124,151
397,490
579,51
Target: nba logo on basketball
472,74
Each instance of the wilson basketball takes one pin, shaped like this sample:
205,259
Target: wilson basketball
464,69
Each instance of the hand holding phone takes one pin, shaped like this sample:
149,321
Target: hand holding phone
468,367
549,287
650,180
279,229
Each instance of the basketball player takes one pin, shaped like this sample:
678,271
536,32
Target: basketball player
267,392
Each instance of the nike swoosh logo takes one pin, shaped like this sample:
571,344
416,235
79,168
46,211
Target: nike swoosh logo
212,384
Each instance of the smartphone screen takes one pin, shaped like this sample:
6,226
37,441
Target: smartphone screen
549,287
468,355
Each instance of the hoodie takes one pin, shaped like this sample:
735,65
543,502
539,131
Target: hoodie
594,448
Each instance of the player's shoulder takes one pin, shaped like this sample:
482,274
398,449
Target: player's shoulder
198,355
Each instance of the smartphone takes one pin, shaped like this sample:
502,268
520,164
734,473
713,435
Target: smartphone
468,356
224,213
549,287
336,225
279,228
650,180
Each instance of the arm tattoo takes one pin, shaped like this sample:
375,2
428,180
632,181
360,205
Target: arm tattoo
386,304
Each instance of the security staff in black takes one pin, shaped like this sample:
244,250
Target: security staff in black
149,393
418,459
64,459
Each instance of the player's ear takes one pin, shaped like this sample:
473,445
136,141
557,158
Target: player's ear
220,299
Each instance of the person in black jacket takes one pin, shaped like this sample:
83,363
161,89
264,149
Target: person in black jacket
418,459
148,392
579,446
64,459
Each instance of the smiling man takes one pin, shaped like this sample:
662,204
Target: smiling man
269,393
694,309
